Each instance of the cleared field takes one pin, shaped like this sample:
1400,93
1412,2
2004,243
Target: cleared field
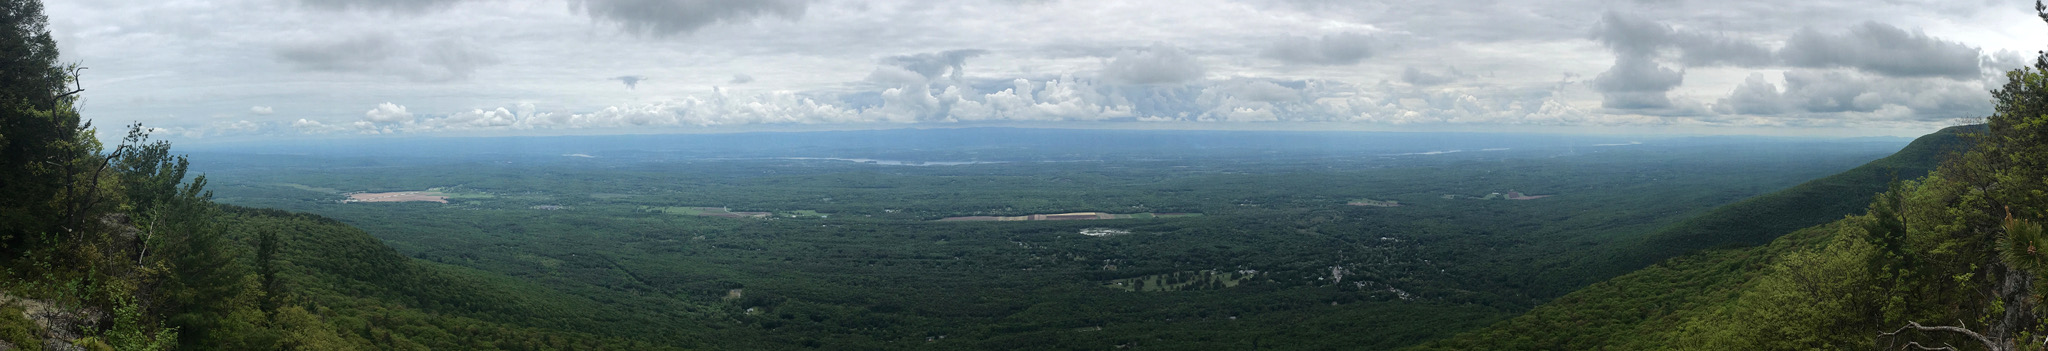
706,211
804,214
1076,216
402,196
1374,203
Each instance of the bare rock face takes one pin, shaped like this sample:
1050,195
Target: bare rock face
59,326
124,233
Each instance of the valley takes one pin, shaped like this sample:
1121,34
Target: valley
873,255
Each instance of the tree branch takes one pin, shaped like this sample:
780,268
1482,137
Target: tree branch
1917,345
1988,344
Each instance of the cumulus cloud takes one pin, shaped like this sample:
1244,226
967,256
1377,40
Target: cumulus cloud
1156,64
1825,92
1639,83
631,81
738,79
379,53
387,113
261,110
1883,49
662,18
1635,82
1334,49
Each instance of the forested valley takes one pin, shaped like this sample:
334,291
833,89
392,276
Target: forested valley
1281,240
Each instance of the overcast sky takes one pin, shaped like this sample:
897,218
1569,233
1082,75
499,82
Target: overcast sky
237,69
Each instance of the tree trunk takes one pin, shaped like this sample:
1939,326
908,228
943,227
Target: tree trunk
2016,291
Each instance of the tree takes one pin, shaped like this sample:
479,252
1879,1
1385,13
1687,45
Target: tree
41,136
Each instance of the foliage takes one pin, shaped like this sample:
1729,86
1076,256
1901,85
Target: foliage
879,272
1960,245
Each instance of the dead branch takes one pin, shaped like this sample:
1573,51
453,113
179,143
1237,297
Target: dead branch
1944,346
1988,343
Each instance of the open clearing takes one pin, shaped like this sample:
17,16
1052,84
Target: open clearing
402,196
707,212
1076,216
1374,203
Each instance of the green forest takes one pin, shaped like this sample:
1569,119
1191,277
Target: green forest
1839,245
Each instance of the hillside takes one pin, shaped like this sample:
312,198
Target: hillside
1831,285
347,277
1758,220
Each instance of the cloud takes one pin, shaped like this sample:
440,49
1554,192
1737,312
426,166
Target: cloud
453,59
1417,77
1883,49
386,5
1259,90
387,113
1639,84
950,64
661,18
1334,49
360,53
1640,37
478,118
379,53
1157,64
1755,96
1810,92
261,110
631,81
738,79
1635,82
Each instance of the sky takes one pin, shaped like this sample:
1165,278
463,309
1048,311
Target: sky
293,69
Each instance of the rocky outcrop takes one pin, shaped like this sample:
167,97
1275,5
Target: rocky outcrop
57,326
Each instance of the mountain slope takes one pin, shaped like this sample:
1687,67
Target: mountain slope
372,297
1645,308
1758,220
